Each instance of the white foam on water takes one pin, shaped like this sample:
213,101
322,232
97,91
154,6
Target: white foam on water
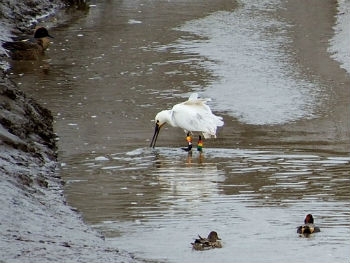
101,158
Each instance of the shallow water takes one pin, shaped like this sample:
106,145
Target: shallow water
281,94
282,153
155,202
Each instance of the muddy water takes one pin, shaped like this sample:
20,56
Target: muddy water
108,74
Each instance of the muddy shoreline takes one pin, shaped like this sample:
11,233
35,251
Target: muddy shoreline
36,223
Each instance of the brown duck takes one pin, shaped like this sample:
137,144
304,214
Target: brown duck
212,241
308,227
29,49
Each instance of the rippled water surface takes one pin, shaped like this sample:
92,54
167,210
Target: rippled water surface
283,152
155,202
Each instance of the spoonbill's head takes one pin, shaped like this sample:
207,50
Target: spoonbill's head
161,119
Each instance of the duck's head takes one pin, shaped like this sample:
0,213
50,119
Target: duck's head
42,32
42,37
213,236
309,219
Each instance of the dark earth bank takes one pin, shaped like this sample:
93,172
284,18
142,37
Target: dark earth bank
36,225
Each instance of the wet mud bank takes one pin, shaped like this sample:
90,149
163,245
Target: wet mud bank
35,222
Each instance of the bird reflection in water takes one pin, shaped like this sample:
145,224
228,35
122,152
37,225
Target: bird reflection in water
189,159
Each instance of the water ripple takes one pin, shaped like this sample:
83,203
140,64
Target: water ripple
166,192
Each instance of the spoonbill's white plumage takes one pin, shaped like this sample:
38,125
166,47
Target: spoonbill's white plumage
193,115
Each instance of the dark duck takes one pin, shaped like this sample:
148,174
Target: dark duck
212,241
308,228
29,49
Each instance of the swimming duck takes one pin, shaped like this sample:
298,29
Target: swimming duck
29,49
308,227
212,241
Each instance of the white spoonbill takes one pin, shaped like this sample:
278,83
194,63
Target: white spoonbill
193,115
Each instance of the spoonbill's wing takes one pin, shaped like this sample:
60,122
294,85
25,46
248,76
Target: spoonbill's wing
204,110
195,115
